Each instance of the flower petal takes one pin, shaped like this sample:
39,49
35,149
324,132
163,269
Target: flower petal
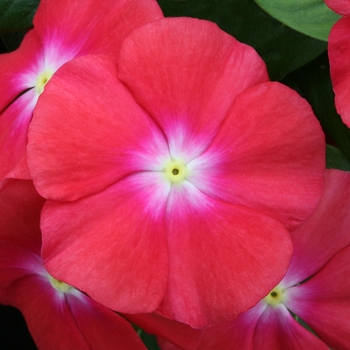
102,328
14,132
20,207
277,330
235,334
325,232
46,312
111,245
17,262
86,131
269,155
223,258
65,26
181,334
339,6
19,69
187,82
339,60
323,302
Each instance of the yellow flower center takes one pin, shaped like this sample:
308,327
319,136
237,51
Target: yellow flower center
41,80
176,171
275,297
59,285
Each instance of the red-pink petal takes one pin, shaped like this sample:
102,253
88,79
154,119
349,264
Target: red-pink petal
340,6
111,245
236,334
102,328
17,261
278,330
181,334
186,73
339,59
46,312
20,207
86,131
269,155
14,132
325,232
263,327
223,258
323,302
81,27
18,69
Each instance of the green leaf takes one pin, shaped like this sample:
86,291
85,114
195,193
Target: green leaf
313,82
16,15
336,159
311,17
282,48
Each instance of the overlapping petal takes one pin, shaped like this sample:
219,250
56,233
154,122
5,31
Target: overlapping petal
96,137
102,328
268,155
111,245
20,207
186,74
216,247
14,124
236,334
181,334
339,59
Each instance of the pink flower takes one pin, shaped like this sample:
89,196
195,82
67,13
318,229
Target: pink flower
316,287
62,30
171,187
339,58
58,315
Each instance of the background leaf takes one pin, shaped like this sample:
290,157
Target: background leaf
282,48
311,17
16,15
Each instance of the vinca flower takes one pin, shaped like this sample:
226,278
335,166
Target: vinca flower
62,30
172,179
58,316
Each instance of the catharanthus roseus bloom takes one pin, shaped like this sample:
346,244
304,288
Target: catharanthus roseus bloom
62,30
57,315
172,186
339,58
316,287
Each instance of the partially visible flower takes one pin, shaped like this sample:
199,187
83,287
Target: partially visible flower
62,30
316,287
339,58
172,178
339,6
57,315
